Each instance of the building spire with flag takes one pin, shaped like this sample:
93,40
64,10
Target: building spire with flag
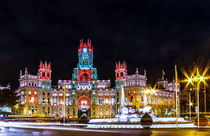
163,74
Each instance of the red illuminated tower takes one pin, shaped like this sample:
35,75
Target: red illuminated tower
85,70
120,70
45,70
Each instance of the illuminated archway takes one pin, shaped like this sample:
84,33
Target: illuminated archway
83,101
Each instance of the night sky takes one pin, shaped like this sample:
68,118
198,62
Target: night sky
149,34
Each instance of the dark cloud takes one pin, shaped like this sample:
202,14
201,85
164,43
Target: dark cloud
152,34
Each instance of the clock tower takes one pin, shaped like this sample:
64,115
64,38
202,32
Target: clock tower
85,70
85,54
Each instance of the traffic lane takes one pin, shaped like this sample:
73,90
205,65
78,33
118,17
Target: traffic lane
10,131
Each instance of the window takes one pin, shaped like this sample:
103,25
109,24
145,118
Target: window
43,100
101,109
48,110
94,100
121,74
113,111
67,110
61,112
43,74
107,111
29,109
48,75
73,100
67,101
131,98
93,111
55,100
35,109
32,99
107,101
54,110
43,110
73,111
32,109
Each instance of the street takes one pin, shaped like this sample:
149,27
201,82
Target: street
11,131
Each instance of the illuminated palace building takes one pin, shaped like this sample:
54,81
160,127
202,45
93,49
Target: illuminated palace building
88,97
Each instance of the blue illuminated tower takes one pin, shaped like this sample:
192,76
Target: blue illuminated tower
85,70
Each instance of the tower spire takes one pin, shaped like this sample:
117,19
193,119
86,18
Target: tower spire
40,65
137,71
21,73
26,71
145,72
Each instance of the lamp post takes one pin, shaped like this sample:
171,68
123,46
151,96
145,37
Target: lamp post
190,105
204,98
197,79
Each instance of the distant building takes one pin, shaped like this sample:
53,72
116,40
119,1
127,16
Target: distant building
85,95
7,100
6,87
137,92
35,91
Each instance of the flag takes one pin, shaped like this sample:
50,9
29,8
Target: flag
163,72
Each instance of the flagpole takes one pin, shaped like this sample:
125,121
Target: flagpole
176,78
64,104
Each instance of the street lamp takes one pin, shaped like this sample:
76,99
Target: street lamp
197,79
190,105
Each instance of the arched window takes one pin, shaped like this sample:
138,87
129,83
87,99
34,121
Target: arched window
101,109
113,111
35,109
93,111
73,111
121,74
94,101
73,100
29,109
32,109
55,111
107,111
131,98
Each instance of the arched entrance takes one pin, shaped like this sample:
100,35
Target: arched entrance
83,107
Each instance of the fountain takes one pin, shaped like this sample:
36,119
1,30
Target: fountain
129,117
127,114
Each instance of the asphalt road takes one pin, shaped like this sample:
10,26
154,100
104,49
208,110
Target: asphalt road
10,131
